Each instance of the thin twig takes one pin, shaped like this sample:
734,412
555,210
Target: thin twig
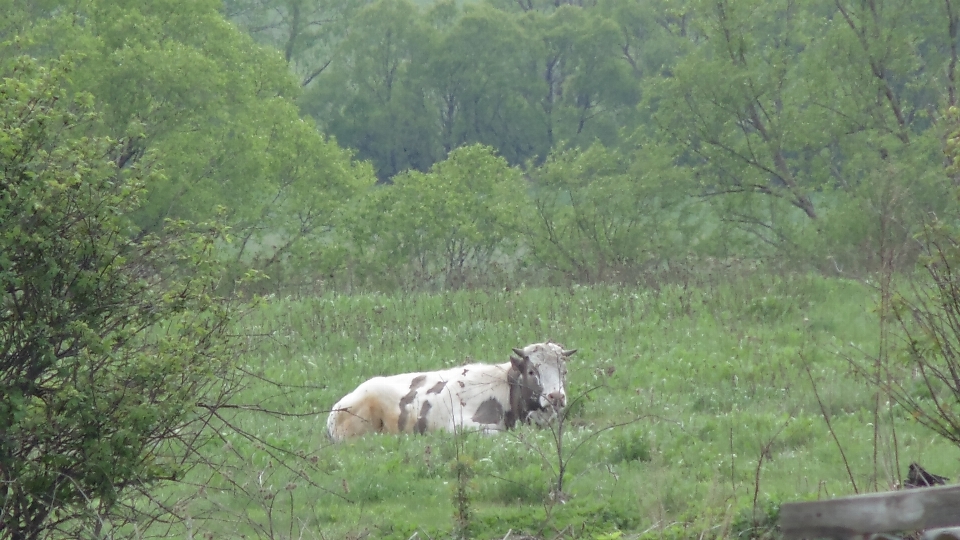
826,418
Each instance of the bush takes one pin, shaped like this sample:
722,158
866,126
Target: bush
757,523
926,310
450,227
107,340
630,445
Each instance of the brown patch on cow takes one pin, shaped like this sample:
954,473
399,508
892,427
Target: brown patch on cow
525,390
435,389
406,400
465,370
421,425
489,412
461,384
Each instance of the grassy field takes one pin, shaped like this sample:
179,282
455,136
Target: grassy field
696,415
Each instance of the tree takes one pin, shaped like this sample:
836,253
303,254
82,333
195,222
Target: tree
409,86
731,97
307,32
793,117
107,339
214,112
589,91
926,308
447,226
483,85
607,215
370,99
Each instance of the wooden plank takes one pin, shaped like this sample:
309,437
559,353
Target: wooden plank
908,510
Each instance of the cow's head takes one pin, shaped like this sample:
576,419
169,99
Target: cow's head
525,387
549,362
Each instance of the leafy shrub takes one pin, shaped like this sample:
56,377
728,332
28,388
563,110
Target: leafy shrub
630,445
108,343
527,485
673,531
757,523
445,228
601,215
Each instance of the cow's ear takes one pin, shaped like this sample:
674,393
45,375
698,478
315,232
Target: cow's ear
520,352
517,363
569,353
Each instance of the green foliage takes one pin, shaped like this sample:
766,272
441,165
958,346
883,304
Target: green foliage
731,100
777,114
196,100
952,142
591,92
925,309
805,133
758,523
630,444
106,340
448,77
485,85
602,215
371,98
305,31
445,226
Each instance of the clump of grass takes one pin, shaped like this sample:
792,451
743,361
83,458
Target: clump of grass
758,523
630,444
527,484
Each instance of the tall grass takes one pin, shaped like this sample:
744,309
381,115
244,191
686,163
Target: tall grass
717,373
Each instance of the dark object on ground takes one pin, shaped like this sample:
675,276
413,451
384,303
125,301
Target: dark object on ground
918,477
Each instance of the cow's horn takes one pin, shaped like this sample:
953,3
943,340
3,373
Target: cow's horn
520,352
569,352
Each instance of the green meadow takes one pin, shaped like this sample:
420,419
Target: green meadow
694,414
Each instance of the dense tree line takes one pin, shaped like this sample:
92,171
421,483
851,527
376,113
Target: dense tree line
404,86
781,125
643,132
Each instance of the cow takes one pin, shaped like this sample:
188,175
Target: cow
486,397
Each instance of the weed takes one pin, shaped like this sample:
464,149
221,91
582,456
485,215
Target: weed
758,523
463,472
630,444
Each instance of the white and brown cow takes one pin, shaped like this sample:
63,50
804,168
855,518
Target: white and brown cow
528,388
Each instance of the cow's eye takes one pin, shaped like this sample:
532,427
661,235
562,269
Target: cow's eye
530,373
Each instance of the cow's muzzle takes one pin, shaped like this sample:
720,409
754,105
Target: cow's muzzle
556,400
